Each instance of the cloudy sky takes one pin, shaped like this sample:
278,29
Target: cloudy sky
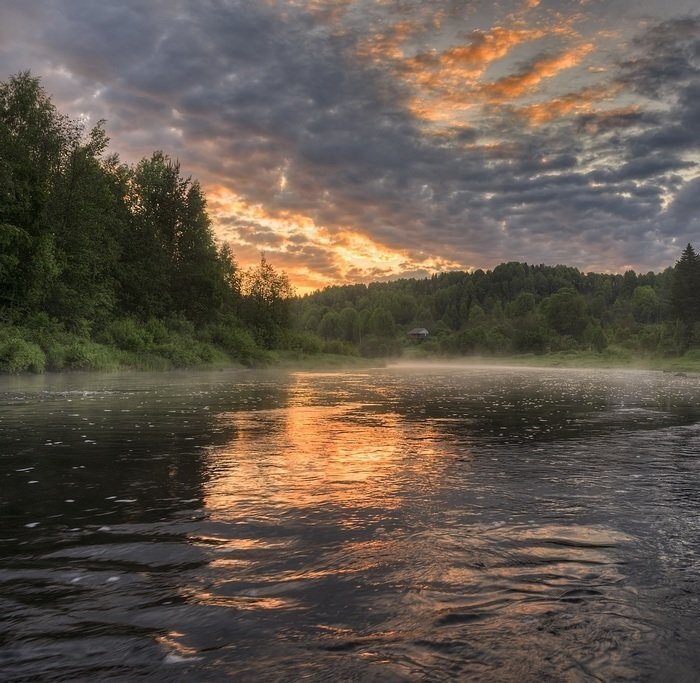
360,140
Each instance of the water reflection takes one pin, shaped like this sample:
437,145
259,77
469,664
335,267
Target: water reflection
437,524
312,457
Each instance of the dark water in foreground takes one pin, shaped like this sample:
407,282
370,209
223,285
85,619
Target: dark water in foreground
385,525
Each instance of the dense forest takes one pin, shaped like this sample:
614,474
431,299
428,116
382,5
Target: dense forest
516,308
106,265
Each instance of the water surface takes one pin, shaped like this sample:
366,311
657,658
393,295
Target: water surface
399,524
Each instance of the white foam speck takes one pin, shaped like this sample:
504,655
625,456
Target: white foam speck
31,525
172,658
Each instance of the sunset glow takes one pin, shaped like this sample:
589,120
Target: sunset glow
357,141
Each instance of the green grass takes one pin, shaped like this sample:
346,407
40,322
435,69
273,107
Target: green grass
44,345
321,361
612,357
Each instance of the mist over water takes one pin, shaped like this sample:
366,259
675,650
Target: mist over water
398,524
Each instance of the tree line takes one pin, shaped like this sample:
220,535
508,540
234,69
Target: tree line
515,308
98,255
106,264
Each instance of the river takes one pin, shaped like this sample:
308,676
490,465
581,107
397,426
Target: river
436,523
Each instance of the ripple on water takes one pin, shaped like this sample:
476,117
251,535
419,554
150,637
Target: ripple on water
440,525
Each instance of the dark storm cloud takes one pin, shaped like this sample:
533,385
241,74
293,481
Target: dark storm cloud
666,56
272,101
683,215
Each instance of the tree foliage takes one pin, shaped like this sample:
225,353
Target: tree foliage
94,251
94,247
685,290
517,308
266,305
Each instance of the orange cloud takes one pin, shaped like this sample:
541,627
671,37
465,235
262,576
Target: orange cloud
312,255
388,44
522,83
465,63
582,102
444,84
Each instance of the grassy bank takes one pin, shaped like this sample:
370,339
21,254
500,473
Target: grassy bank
322,361
689,362
125,344
156,345
612,357
44,345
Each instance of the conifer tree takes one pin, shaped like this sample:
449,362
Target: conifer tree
685,290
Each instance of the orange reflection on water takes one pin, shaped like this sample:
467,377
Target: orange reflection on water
310,457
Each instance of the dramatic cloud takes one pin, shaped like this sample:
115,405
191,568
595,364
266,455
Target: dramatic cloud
357,140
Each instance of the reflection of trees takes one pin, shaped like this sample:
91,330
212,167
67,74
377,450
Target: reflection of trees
142,441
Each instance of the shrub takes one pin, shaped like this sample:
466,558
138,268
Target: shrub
180,325
88,355
19,355
340,348
128,335
372,346
236,342
304,342
157,331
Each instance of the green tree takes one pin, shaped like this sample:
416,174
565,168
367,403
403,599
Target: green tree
565,312
350,324
266,304
330,326
594,337
381,323
87,221
35,143
685,289
523,304
645,304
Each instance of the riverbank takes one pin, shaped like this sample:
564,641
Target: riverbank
156,347
612,357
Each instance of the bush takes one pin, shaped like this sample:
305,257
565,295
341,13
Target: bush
181,325
19,355
184,353
236,342
128,335
88,355
303,342
157,331
373,346
180,355
339,348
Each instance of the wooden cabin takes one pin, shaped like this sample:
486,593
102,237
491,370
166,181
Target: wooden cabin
418,334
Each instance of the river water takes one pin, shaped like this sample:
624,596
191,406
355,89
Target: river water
396,524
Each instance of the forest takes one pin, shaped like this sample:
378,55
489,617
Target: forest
517,308
107,265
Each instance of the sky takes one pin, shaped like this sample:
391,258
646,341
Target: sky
352,141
